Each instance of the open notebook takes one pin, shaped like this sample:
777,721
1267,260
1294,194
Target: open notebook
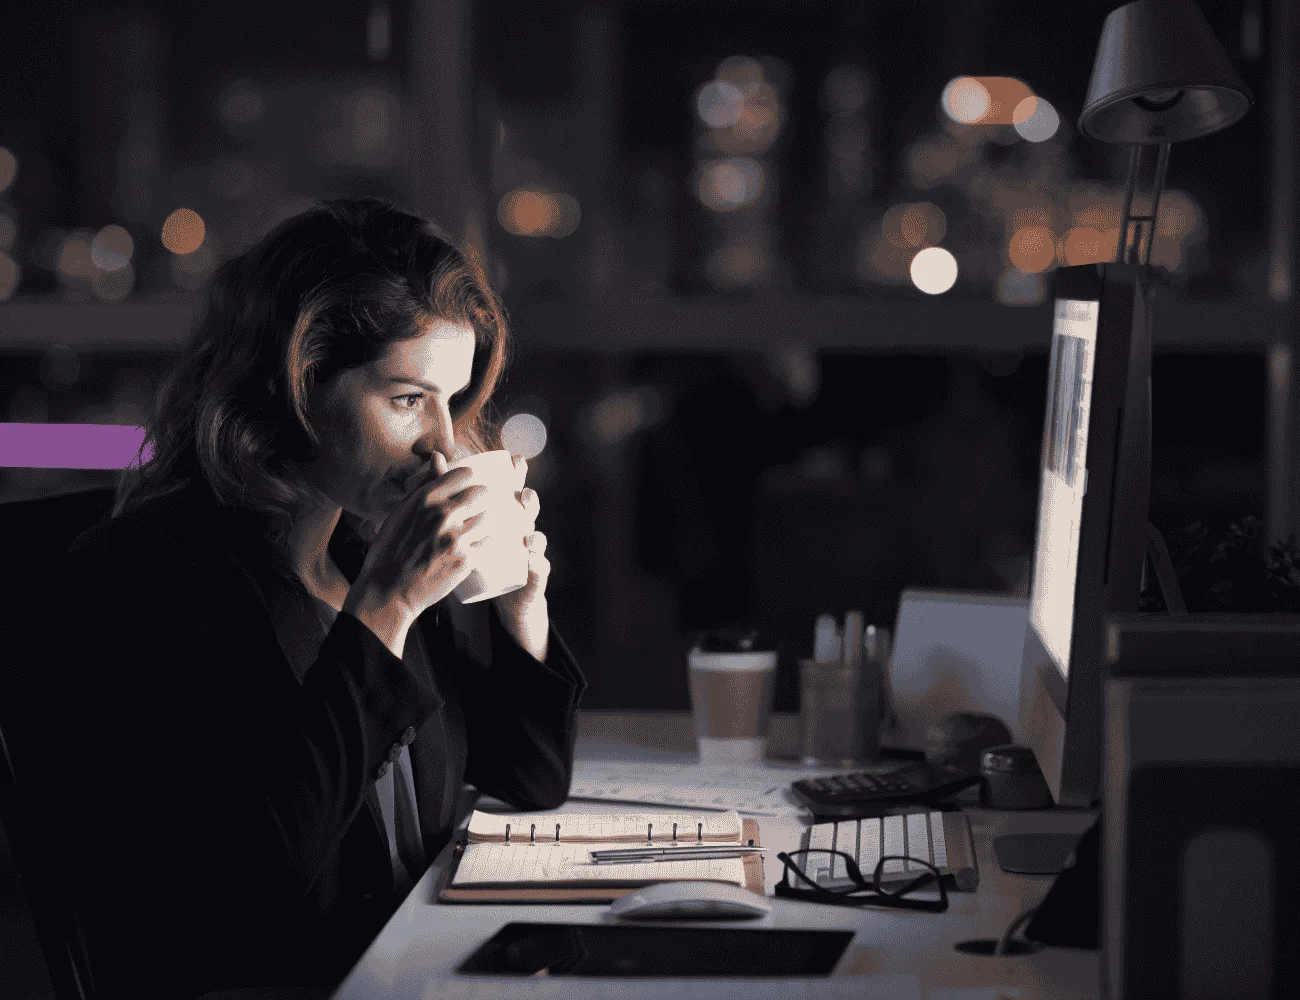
545,856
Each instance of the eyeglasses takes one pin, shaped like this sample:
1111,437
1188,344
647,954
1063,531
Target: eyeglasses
860,892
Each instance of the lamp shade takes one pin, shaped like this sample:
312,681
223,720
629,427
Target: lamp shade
1160,76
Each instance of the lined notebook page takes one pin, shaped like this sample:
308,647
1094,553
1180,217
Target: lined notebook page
558,864
591,827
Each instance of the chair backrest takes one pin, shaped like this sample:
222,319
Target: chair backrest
36,535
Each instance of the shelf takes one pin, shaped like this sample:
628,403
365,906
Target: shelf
675,325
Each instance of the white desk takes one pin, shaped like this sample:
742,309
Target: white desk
903,954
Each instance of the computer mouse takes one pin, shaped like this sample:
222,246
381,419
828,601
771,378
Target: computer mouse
690,901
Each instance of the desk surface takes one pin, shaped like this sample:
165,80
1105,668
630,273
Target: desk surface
904,954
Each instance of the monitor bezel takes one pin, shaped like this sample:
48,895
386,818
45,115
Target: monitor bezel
1112,530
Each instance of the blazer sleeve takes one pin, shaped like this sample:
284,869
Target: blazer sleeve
520,714
193,731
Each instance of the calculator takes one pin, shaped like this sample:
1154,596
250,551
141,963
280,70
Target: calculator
856,793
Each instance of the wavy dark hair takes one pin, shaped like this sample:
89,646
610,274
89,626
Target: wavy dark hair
323,292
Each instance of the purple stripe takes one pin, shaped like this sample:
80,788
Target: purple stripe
70,446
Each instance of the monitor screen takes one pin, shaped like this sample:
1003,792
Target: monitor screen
1063,477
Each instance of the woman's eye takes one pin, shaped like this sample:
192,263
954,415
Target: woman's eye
417,396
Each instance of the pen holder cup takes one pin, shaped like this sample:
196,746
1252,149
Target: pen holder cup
839,712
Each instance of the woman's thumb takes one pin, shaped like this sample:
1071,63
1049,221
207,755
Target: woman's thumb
439,463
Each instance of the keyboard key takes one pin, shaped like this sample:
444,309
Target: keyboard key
869,846
820,836
845,840
940,843
918,840
894,842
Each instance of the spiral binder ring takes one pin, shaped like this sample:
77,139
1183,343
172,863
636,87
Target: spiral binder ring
649,833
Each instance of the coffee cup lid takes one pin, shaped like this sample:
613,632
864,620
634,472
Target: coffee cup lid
731,639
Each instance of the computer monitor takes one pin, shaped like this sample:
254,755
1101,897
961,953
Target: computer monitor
1090,540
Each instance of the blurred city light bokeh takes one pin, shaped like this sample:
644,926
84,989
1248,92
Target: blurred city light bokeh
778,273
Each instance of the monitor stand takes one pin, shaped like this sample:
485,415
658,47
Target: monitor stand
1050,853
1070,914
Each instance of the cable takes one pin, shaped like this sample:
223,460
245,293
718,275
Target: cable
1001,947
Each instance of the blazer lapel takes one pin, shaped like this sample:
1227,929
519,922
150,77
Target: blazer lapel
433,757
294,619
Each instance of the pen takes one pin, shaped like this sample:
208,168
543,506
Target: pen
673,853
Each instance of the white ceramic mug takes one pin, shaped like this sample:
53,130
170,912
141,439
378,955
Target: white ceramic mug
501,562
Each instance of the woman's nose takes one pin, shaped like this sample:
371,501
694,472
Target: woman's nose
442,434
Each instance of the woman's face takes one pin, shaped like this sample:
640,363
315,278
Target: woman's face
381,423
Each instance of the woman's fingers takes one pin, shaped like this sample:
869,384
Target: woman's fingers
471,532
539,568
441,487
530,500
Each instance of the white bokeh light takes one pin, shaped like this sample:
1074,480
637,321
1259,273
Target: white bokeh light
1035,120
720,103
934,270
111,249
965,100
524,434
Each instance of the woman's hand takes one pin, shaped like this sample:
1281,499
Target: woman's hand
422,551
523,612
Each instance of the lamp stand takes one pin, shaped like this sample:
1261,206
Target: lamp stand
1129,220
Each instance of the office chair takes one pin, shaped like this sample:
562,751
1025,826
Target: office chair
36,535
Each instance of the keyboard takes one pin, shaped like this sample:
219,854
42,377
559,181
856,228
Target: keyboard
854,794
941,838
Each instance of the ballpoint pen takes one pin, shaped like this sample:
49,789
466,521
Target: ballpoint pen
690,853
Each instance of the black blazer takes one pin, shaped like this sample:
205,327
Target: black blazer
216,760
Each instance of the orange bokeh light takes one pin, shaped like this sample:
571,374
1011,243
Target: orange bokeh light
183,231
914,225
1033,248
985,100
526,212
1088,245
529,213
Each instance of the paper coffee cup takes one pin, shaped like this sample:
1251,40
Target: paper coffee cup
731,699
501,562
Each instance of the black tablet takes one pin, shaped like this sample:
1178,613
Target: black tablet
618,950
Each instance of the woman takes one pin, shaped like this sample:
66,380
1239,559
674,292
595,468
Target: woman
273,706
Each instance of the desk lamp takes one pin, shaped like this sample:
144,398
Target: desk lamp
1160,77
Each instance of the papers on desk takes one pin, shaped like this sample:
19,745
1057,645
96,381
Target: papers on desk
753,791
